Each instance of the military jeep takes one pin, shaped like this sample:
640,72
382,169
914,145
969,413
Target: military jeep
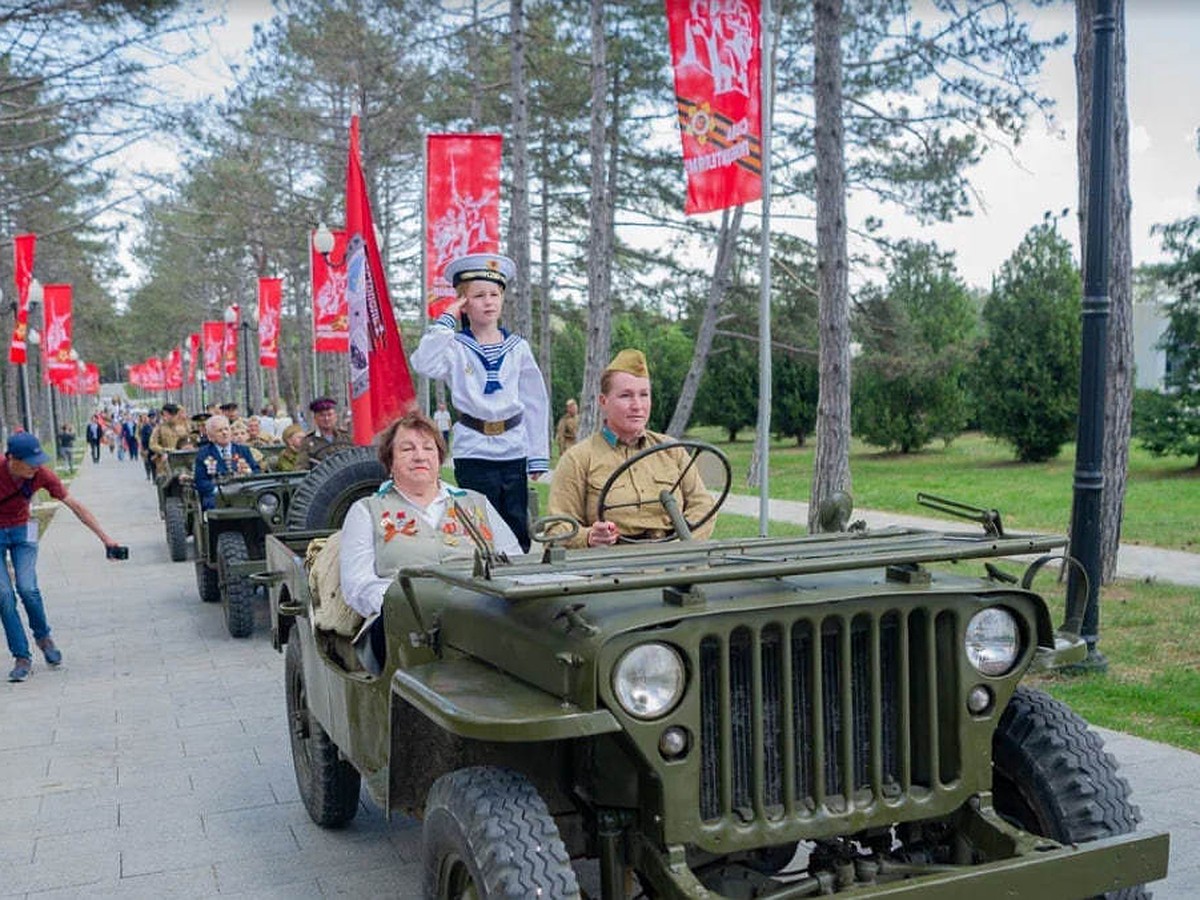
173,487
769,717
230,538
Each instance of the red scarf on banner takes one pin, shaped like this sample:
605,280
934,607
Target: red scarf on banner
231,341
380,385
716,52
462,203
270,300
56,342
214,349
23,246
331,320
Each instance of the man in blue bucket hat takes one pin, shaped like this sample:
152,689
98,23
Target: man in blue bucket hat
23,473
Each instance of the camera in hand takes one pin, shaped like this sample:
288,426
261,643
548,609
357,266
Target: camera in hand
117,551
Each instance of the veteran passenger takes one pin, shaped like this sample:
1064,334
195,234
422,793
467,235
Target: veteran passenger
412,518
583,469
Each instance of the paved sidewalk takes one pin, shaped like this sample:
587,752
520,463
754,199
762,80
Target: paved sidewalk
155,762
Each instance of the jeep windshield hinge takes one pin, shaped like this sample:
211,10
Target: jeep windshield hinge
988,518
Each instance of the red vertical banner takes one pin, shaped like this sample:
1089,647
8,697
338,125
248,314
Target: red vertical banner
462,205
91,379
193,357
716,54
173,370
381,387
231,340
331,319
23,248
214,349
270,301
155,374
56,342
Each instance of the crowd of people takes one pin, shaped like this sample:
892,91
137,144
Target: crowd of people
498,439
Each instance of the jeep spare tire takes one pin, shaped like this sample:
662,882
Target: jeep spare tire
331,488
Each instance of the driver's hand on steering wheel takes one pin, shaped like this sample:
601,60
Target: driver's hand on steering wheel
602,534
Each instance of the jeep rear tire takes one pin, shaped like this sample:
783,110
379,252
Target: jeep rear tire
489,834
176,524
328,785
329,490
208,582
1052,777
237,591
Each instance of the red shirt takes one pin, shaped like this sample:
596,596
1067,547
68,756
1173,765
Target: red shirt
15,493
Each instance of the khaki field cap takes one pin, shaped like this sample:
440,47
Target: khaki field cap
632,362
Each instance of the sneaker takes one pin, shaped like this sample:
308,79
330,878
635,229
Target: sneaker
21,670
53,654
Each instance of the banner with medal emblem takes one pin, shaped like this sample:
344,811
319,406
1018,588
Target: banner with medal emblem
214,349
331,319
173,370
23,246
462,206
716,54
56,342
270,299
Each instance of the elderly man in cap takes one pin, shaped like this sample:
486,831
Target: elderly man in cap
22,475
502,432
583,470
327,436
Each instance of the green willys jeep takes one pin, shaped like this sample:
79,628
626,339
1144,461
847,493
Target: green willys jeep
174,508
737,718
230,538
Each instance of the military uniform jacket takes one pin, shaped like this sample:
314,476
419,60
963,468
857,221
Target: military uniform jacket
168,436
386,531
565,434
316,448
583,470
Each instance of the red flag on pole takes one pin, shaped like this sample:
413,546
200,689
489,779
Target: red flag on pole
715,50
214,349
462,205
154,374
23,247
270,299
91,379
193,357
331,320
231,339
56,342
380,385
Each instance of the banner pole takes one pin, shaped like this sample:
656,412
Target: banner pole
764,300
422,300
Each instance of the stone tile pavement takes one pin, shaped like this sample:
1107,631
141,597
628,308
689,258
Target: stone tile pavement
155,762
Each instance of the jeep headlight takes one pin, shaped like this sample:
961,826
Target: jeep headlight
648,680
992,641
268,503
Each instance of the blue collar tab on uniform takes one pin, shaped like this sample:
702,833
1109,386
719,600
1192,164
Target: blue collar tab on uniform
609,437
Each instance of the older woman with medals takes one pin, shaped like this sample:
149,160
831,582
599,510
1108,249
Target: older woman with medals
414,517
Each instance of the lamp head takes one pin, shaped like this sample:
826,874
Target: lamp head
323,240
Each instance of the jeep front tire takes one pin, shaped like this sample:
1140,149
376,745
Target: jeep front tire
176,524
237,592
489,834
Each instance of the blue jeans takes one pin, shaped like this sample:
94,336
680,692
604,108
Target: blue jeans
14,542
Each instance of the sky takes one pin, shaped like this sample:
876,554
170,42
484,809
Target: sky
1014,190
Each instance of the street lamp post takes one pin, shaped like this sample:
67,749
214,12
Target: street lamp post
33,297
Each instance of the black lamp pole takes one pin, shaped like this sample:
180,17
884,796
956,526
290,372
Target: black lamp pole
246,363
1089,447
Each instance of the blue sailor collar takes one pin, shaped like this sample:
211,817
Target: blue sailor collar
492,357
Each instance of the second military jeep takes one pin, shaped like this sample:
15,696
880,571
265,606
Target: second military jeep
172,483
837,713
230,538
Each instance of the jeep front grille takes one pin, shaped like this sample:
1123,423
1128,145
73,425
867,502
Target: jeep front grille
826,714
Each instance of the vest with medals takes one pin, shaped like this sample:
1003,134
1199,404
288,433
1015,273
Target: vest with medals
404,538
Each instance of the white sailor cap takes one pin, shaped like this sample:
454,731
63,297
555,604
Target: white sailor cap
481,267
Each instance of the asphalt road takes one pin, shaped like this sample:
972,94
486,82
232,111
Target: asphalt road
155,761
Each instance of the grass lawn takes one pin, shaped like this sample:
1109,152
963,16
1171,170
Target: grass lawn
1162,497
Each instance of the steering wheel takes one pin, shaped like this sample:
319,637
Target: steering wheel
665,497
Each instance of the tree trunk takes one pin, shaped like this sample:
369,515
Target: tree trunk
599,325
1118,406
831,464
543,344
518,299
717,288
